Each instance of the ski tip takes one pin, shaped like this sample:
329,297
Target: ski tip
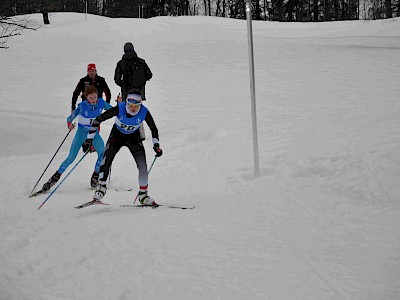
93,202
35,194
189,207
181,207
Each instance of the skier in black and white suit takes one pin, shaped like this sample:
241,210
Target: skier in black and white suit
125,132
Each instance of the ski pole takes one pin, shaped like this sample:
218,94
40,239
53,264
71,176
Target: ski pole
64,179
148,172
51,160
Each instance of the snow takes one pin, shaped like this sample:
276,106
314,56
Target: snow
321,221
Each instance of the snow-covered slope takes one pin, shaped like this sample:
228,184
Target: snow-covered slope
321,222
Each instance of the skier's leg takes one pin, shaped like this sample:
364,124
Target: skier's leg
139,154
112,147
98,144
77,142
123,94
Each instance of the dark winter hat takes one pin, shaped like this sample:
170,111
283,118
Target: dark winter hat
128,47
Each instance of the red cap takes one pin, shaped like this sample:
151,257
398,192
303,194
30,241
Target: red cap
91,67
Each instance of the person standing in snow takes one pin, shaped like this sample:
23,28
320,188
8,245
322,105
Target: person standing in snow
86,112
132,72
91,79
129,115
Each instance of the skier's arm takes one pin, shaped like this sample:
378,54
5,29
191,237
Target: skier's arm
154,134
147,71
112,112
74,114
75,95
107,92
152,125
118,75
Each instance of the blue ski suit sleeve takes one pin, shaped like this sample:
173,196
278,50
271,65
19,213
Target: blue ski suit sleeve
74,114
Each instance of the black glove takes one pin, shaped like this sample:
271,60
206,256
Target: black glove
157,149
87,145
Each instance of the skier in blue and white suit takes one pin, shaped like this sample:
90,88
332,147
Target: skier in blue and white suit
125,132
86,112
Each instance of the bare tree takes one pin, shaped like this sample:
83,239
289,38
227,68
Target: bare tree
13,26
218,11
193,8
388,8
398,8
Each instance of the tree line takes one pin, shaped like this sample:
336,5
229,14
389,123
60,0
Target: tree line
268,10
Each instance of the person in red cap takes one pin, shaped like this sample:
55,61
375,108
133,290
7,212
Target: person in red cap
91,79
91,67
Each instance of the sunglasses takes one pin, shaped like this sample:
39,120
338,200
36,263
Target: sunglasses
132,101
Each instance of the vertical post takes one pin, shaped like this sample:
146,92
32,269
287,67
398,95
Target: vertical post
85,10
139,9
252,88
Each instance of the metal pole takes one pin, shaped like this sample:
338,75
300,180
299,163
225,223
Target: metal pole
139,10
252,88
85,10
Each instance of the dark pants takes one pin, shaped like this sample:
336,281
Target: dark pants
125,91
116,140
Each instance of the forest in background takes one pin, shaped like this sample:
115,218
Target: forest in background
267,10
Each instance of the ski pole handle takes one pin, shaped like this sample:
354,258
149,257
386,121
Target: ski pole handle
119,98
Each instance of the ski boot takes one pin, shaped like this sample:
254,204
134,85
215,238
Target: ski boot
51,182
145,199
100,191
94,181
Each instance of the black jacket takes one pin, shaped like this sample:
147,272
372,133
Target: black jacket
119,72
98,82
